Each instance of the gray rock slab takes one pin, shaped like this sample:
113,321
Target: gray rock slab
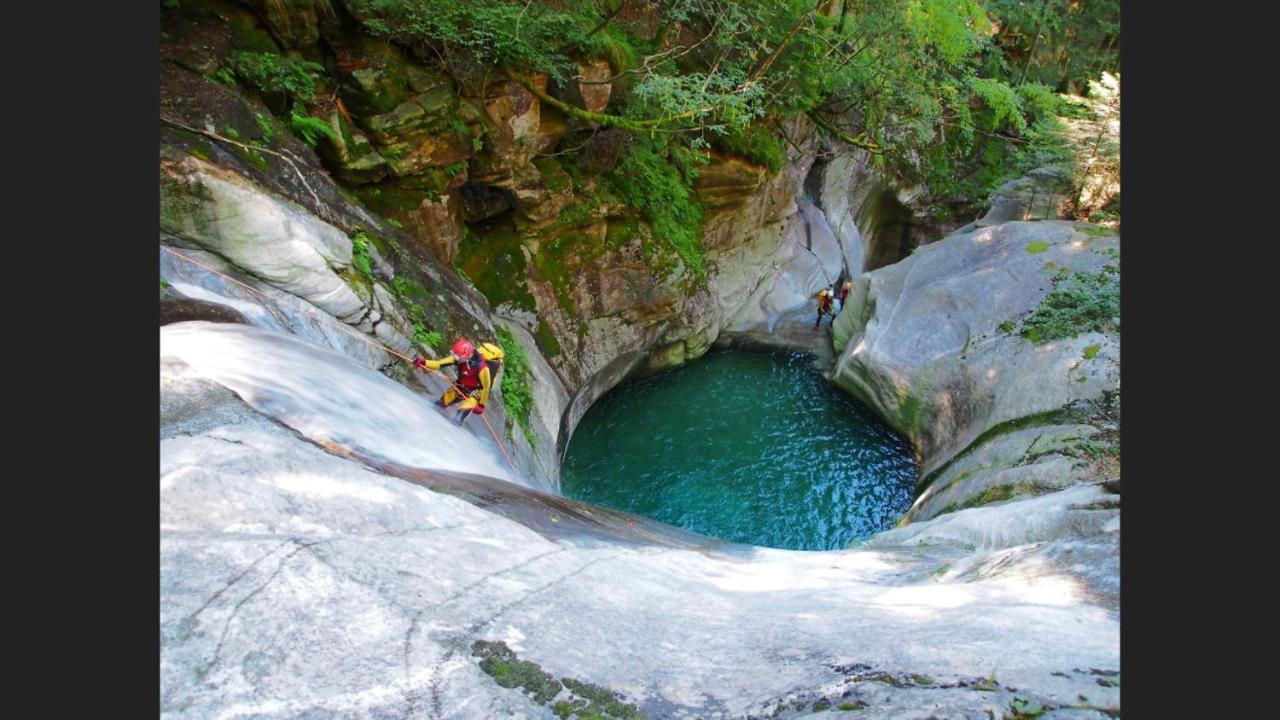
298,582
921,341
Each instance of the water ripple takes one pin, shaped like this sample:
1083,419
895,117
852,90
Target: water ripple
753,448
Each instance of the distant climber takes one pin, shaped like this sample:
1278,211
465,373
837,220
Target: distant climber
477,368
844,290
824,306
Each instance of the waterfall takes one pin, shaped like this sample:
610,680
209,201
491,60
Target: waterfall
330,398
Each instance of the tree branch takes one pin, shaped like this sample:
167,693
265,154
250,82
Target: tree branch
861,140
604,119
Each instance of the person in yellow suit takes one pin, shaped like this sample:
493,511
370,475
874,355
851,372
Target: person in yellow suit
824,306
477,367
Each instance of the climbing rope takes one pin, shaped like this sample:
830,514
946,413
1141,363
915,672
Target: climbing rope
358,335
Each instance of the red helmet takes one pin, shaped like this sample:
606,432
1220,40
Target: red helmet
463,348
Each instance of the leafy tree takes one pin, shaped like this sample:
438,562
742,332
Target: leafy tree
947,93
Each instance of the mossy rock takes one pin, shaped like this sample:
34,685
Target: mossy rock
493,257
373,76
498,661
546,339
557,179
349,154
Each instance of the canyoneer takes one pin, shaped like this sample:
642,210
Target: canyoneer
477,367
824,306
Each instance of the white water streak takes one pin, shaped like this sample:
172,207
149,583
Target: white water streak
328,397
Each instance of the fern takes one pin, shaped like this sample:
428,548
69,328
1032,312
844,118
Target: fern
264,123
1004,102
360,256
272,73
310,129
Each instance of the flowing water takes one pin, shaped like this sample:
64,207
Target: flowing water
329,398
749,447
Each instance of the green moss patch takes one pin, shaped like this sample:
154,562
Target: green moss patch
1079,302
1094,231
559,260
1038,246
913,413
995,494
498,661
649,181
1091,351
361,260
756,144
585,701
516,381
555,176
493,260
547,339
599,702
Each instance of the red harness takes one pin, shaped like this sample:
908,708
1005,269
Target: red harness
469,371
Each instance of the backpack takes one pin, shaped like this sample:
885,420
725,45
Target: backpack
493,357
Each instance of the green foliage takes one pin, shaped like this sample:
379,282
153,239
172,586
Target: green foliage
619,47
1046,145
277,74
1080,302
1025,709
526,35
600,703
225,75
755,143
1056,43
575,213
360,257
920,82
516,380
230,132
422,336
647,181
453,168
310,129
264,123
253,153
500,663
1003,101
990,684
